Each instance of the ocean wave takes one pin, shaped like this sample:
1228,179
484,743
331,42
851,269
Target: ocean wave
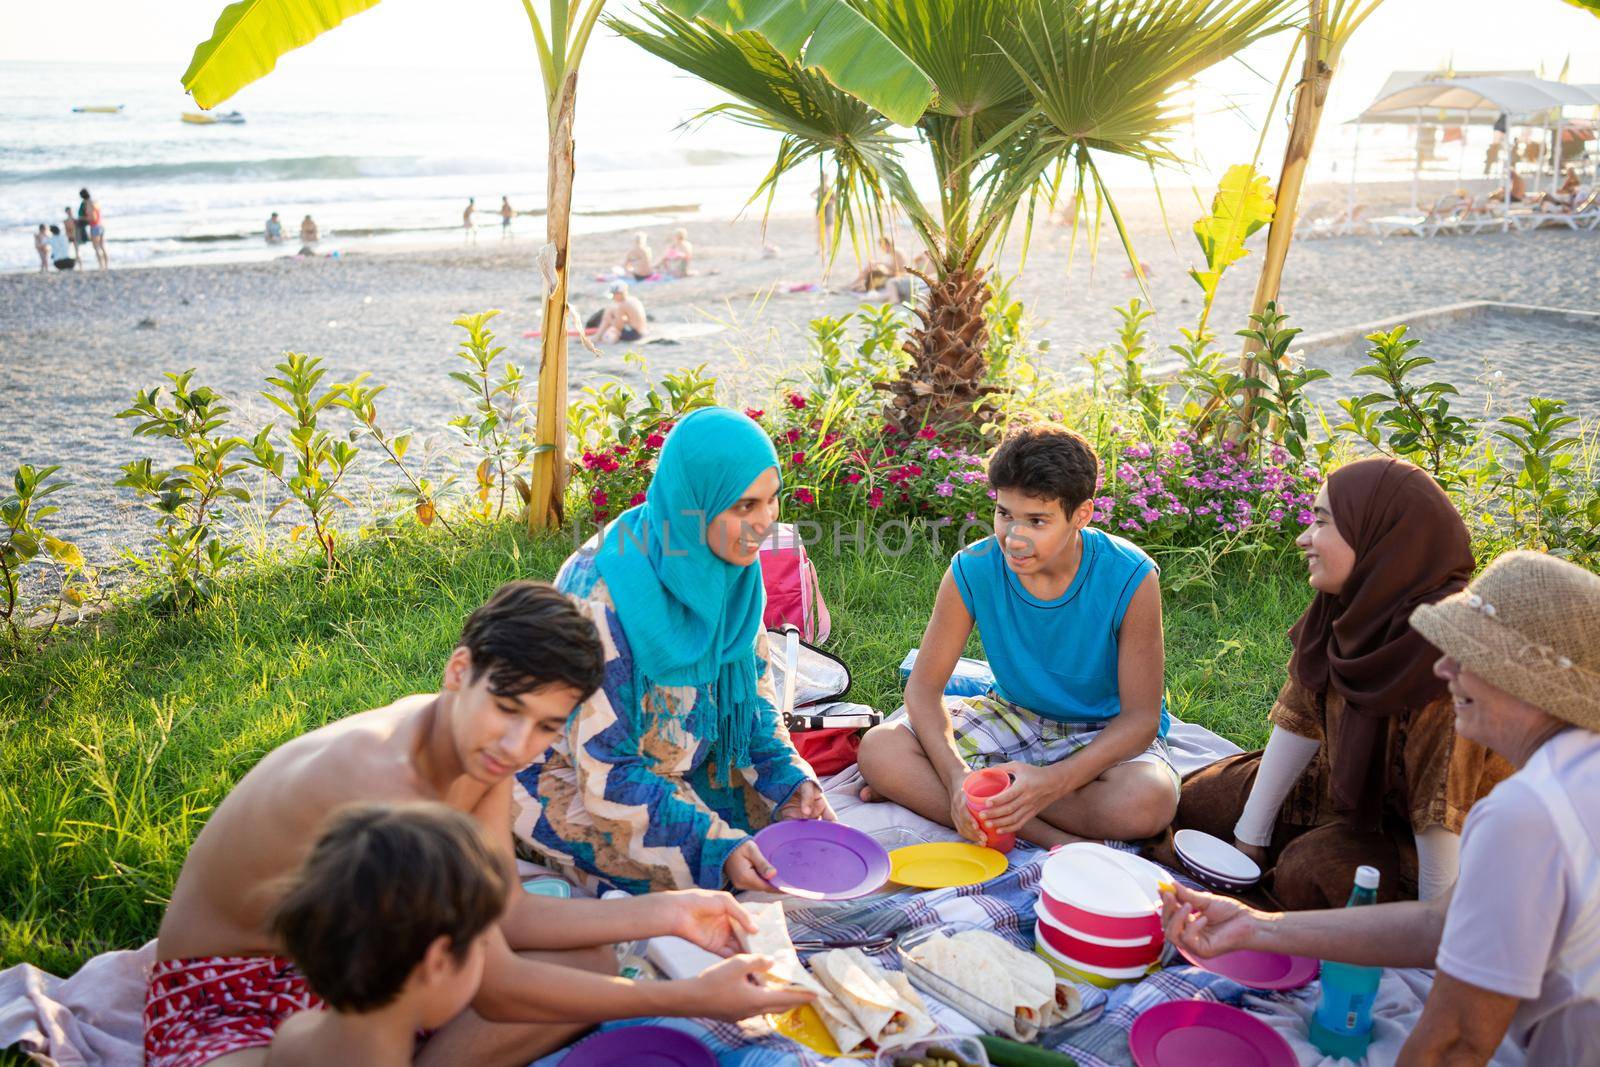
287,168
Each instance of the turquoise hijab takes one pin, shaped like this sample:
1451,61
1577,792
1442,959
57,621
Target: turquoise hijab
691,618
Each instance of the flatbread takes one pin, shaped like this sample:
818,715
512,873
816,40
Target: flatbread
882,1003
994,983
771,939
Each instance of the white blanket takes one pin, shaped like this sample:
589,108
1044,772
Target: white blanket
93,1018
1399,1006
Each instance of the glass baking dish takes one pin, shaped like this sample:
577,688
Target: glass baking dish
969,1004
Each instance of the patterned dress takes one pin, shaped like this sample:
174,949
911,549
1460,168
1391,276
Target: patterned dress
614,804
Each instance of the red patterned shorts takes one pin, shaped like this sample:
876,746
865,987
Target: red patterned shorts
199,1009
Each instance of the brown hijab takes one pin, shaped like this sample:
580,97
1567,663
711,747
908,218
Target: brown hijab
1411,548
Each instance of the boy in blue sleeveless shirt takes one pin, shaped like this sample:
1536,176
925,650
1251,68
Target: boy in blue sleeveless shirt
1070,619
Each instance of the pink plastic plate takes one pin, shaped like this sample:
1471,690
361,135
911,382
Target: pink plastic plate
1260,970
1203,1033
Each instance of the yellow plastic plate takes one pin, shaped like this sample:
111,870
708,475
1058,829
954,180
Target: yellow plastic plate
942,864
804,1026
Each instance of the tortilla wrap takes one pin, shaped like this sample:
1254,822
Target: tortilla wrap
886,1009
992,982
771,939
840,1026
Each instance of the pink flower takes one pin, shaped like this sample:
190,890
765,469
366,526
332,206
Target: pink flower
754,413
875,498
638,498
888,450
927,433
608,464
798,459
853,477
805,496
590,461
797,401
599,498
792,436
655,440
944,489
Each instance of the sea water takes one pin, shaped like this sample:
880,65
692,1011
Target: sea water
376,156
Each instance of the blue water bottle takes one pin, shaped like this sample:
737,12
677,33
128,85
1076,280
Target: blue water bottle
1342,1025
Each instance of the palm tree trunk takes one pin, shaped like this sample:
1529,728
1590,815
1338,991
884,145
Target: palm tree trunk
1310,95
545,501
943,386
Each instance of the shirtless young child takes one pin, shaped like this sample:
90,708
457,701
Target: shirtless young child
222,985
426,889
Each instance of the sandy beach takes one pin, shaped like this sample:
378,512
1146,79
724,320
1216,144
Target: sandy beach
77,346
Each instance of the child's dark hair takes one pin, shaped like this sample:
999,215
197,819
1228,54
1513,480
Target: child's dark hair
382,883
1048,462
529,635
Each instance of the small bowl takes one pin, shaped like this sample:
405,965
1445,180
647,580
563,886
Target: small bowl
968,1048
1215,857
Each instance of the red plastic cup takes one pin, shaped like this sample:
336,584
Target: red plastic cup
980,786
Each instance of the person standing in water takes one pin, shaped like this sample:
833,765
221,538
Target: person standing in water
274,229
468,226
41,245
506,215
89,223
69,230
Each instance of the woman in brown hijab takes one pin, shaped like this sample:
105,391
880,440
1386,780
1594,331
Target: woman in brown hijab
1363,765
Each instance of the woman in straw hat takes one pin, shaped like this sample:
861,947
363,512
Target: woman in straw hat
1362,766
1517,944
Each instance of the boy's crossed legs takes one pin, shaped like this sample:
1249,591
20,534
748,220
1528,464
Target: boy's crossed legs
1129,801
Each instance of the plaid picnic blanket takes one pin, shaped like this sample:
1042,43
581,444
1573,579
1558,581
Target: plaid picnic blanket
1004,905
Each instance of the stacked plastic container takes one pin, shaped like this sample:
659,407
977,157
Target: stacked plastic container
1099,915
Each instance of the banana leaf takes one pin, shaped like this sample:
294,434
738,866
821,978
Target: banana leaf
249,37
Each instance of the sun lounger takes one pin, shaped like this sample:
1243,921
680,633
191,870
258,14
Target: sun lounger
1436,220
1585,215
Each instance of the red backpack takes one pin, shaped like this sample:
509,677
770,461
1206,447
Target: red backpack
793,595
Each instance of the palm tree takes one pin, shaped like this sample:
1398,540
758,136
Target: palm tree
826,38
1027,95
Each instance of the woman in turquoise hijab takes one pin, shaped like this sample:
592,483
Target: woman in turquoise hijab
663,775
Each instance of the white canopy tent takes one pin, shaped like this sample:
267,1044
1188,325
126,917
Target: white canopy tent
1523,100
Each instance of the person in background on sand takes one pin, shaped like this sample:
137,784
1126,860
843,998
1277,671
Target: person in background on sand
525,659
676,259
1362,765
41,245
667,771
389,920
469,227
623,319
308,236
506,215
639,262
60,254
826,212
876,273
69,229
89,215
274,229
1083,736
1517,942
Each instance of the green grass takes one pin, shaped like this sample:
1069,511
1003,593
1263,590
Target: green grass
117,741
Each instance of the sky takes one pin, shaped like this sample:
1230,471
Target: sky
1403,34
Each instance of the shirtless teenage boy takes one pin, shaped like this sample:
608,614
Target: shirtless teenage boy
525,660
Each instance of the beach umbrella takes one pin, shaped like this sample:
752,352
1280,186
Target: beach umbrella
826,38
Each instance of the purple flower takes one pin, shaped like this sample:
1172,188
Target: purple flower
944,489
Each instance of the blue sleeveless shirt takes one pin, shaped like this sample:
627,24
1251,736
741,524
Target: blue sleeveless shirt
1057,658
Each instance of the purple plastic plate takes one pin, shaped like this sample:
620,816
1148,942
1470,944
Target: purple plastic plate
640,1046
1260,970
823,860
1203,1033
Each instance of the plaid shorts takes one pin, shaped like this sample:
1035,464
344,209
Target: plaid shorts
990,729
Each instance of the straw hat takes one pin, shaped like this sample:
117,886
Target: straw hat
1530,625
